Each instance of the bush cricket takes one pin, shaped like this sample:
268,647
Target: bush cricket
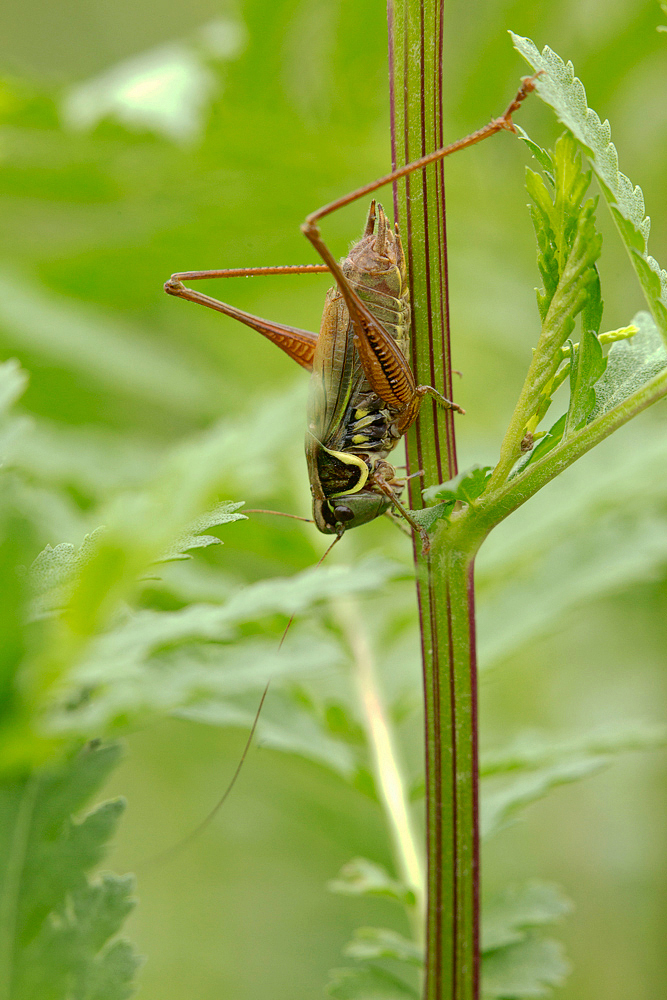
363,397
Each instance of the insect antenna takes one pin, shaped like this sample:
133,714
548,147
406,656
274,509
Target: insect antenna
278,513
171,852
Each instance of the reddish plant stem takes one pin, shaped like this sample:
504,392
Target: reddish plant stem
445,576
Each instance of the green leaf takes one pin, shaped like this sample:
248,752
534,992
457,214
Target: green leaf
284,725
52,573
467,486
574,543
500,807
545,444
428,517
507,917
557,214
369,983
166,90
542,156
380,942
361,877
57,926
13,382
630,364
528,969
565,93
223,513
588,365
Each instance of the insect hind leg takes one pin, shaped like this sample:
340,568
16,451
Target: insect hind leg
298,344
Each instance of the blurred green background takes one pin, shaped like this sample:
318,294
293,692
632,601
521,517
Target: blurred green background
229,124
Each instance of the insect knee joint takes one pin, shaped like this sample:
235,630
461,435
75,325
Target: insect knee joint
173,286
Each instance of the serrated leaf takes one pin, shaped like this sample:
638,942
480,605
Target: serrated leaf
542,156
361,877
222,513
52,573
56,926
630,364
369,983
284,725
147,631
381,942
428,517
507,917
531,968
467,486
501,806
561,222
531,751
565,93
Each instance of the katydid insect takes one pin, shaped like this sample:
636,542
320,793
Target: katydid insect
363,396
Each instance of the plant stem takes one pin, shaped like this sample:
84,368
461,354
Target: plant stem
445,588
496,504
387,770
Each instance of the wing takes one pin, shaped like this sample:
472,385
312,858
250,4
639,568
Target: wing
337,374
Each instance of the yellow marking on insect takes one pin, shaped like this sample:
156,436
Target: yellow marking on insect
365,421
348,459
358,414
359,439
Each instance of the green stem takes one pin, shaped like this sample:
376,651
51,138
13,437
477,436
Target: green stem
495,504
389,777
557,326
444,577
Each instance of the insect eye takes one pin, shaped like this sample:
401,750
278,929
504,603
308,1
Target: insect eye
343,512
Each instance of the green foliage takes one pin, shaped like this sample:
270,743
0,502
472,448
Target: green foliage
529,969
369,983
58,928
565,93
517,960
592,532
466,486
556,217
565,229
129,427
361,877
630,365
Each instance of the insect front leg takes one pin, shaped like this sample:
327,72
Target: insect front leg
382,469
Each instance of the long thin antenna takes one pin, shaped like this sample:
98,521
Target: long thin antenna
172,851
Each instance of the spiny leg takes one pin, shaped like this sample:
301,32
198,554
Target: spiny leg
503,123
385,366
298,344
405,513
